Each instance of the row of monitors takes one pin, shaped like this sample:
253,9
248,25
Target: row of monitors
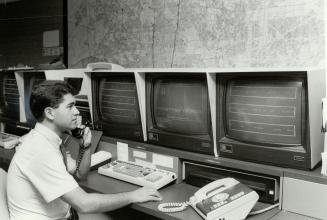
271,117
15,91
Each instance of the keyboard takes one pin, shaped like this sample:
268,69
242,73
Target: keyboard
137,174
8,141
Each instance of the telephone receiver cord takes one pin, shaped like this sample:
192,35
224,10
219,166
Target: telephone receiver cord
173,206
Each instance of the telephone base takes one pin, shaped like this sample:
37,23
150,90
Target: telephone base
238,211
232,200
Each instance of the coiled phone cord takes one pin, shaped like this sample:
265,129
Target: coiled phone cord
79,160
180,206
173,206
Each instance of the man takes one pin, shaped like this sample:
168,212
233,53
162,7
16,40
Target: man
39,187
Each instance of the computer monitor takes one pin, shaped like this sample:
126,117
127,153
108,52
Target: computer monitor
82,103
115,105
75,82
9,96
265,117
178,112
31,79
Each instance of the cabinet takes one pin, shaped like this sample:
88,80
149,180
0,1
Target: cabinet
305,193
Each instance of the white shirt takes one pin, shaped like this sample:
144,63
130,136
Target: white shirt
37,177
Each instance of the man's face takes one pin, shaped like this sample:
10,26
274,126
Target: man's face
65,115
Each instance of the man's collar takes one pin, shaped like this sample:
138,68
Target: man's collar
48,134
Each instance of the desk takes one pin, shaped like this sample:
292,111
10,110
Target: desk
171,193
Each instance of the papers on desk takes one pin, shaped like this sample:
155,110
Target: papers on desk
100,158
9,141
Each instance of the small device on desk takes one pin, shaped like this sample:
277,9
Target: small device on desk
8,141
223,199
100,158
137,174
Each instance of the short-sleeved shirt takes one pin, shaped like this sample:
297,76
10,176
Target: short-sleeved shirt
37,178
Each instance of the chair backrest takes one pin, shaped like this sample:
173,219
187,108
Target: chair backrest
4,213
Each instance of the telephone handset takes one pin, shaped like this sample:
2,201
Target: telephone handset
221,199
79,132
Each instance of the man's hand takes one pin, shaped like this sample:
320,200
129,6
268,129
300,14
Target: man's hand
145,194
87,136
71,163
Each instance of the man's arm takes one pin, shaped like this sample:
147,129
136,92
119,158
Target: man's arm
94,202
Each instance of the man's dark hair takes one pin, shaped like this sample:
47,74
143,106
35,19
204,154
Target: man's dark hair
49,93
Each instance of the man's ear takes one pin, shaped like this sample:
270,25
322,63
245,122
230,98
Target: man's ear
49,114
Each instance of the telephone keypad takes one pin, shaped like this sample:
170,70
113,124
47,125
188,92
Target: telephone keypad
220,197
217,205
237,195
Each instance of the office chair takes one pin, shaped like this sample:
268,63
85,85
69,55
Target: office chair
4,212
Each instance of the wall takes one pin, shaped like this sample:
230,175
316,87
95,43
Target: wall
196,33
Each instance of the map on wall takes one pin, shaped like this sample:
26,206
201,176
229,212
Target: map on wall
196,33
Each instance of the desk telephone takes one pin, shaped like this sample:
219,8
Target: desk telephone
223,199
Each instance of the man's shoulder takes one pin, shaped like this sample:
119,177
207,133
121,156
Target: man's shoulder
35,139
36,146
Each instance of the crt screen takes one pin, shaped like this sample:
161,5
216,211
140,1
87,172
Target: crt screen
10,96
180,106
30,82
76,83
118,100
264,111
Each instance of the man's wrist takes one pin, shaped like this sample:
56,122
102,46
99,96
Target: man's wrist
85,147
130,197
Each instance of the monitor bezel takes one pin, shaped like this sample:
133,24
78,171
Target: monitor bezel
222,132
99,123
27,79
203,144
4,114
181,77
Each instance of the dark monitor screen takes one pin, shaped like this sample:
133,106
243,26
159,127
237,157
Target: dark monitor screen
81,100
9,96
31,79
266,111
115,105
76,83
181,106
118,101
